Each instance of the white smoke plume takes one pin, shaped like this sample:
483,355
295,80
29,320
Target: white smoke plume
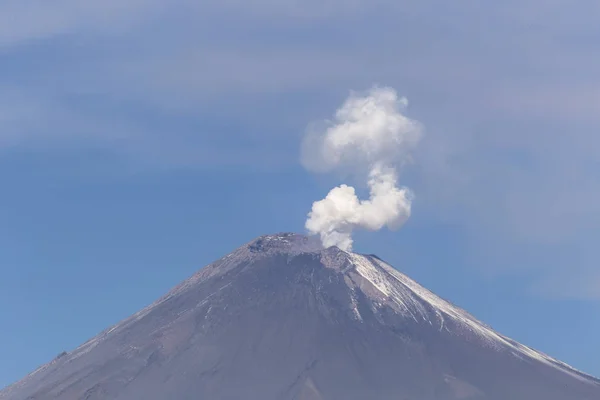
371,137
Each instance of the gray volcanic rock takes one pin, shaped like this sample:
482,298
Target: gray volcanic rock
283,318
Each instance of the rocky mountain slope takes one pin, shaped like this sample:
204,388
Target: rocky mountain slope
283,318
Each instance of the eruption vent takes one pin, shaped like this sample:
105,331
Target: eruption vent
369,137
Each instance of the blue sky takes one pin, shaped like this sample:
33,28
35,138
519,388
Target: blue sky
140,141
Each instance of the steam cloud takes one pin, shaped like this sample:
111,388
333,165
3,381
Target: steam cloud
369,137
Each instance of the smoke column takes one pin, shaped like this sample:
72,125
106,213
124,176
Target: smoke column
371,138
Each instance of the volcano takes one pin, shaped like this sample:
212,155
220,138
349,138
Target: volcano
284,318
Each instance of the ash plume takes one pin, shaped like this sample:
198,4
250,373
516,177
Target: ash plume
369,137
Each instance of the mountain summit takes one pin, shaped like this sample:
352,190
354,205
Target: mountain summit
283,318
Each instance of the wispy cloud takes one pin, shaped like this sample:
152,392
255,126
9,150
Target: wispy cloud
509,97
22,22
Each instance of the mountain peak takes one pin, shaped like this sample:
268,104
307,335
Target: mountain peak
281,317
293,245
286,242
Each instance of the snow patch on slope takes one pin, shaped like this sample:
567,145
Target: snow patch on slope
354,305
407,304
408,294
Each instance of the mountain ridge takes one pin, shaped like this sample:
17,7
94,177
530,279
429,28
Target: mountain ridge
329,289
